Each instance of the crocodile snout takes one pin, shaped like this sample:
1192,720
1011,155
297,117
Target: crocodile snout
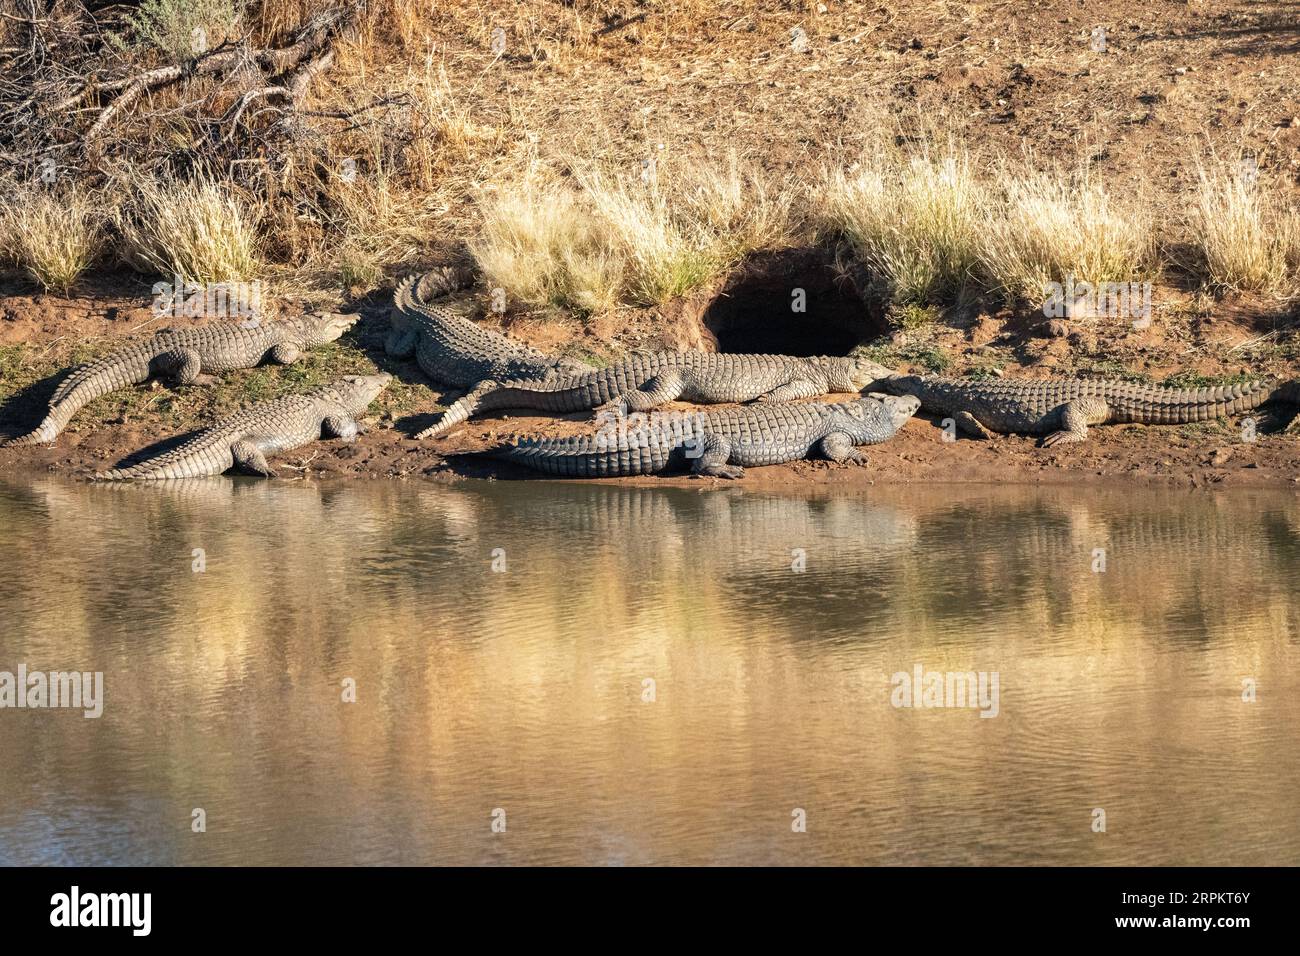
902,407
335,324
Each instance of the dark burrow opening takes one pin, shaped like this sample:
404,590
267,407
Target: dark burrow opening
790,302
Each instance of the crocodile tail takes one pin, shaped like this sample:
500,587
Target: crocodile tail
442,281
85,384
419,288
489,396
459,411
42,434
404,294
204,453
594,456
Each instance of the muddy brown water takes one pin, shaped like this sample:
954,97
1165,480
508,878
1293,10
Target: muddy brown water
646,677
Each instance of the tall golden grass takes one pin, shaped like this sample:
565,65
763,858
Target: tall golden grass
53,235
1048,226
914,220
929,225
1245,238
638,238
201,229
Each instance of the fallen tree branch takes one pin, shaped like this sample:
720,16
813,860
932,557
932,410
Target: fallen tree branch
299,63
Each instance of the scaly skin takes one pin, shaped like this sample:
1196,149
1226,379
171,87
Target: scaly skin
1062,409
245,439
722,442
647,380
186,356
432,323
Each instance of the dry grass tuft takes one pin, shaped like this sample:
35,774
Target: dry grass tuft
915,221
1245,239
539,245
1049,227
202,229
618,239
53,236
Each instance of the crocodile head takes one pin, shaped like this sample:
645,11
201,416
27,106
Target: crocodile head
900,408
858,373
356,392
321,327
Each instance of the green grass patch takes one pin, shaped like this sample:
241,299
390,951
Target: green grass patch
910,316
1197,380
1111,369
932,358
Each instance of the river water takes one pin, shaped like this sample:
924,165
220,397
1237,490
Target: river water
564,673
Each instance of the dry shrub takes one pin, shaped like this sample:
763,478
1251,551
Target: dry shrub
1245,239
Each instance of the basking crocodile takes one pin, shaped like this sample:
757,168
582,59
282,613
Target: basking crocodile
646,380
721,442
245,439
1062,409
430,323
185,355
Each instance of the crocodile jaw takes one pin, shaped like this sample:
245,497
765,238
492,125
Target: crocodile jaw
900,408
330,326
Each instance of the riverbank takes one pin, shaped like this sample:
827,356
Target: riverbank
42,335
1211,455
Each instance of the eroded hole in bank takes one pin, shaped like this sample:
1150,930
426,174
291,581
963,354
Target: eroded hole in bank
790,303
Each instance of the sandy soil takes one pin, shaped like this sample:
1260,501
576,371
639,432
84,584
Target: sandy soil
1149,456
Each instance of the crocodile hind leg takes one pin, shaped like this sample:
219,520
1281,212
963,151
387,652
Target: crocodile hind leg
341,427
248,457
970,425
400,343
182,366
284,353
1074,418
799,388
838,446
653,392
710,454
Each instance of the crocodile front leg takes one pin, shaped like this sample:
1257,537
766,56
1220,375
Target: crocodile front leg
1074,418
970,425
401,343
248,457
713,452
838,446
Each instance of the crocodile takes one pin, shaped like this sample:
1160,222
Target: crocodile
431,323
647,380
245,439
1061,409
720,442
186,356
